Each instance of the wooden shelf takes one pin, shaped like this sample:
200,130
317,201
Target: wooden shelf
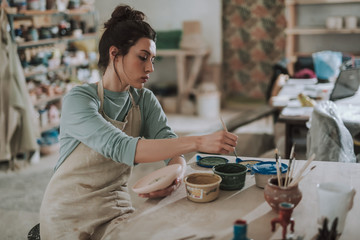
293,58
293,31
56,40
60,68
319,31
185,78
30,13
308,2
181,52
46,100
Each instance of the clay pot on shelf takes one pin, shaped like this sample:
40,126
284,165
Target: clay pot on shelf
274,195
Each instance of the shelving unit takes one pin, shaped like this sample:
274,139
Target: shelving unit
185,78
55,40
51,17
293,31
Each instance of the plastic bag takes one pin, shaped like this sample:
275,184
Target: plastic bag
328,137
327,64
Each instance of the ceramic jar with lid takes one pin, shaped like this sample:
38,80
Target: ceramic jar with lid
265,170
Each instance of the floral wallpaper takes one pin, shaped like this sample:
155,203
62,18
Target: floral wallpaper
253,41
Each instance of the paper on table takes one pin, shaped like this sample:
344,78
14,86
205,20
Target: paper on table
297,111
302,81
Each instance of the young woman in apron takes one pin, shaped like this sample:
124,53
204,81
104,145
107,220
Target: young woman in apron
108,127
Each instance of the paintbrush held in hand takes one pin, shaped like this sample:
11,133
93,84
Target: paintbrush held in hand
225,129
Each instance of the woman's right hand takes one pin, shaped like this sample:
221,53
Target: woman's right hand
221,142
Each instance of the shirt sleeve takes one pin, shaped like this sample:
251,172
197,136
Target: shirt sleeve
81,120
155,121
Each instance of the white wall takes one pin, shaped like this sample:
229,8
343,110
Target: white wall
169,15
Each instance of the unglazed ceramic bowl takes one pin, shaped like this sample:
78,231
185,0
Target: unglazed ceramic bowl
202,187
158,179
233,175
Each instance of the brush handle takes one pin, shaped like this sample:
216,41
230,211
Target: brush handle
225,128
300,178
305,166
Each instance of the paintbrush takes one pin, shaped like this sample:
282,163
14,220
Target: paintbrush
301,177
312,157
225,128
293,165
277,166
290,162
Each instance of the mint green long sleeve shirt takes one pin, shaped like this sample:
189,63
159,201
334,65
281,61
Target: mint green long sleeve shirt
82,122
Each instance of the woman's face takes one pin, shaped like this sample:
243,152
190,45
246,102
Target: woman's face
134,68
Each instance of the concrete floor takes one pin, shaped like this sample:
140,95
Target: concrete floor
21,190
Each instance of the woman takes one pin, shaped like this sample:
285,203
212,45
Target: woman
108,127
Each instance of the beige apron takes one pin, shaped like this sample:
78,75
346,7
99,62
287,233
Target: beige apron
88,193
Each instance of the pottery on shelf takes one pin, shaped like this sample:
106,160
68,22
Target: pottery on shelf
274,195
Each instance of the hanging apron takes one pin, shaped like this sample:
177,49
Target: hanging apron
88,193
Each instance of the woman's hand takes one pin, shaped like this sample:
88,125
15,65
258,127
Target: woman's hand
221,142
175,184
163,192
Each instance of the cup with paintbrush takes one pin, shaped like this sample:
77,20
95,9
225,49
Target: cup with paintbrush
286,189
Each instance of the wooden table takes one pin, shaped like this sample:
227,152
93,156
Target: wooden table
176,217
185,79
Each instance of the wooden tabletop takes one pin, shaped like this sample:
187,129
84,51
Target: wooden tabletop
176,217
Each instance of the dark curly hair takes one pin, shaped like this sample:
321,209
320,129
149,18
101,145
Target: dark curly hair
125,27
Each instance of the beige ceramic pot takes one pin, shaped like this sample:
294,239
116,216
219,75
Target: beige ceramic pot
275,195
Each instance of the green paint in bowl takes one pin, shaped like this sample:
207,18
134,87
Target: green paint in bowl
233,175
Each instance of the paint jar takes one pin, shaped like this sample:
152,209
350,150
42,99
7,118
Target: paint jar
265,170
240,230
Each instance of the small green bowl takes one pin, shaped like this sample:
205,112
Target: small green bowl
233,175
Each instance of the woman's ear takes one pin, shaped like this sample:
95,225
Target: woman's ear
113,52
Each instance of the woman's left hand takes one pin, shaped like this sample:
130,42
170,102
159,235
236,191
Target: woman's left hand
163,192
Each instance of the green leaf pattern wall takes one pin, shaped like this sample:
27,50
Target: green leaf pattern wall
254,40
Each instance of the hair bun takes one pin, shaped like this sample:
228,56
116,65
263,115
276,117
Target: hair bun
124,13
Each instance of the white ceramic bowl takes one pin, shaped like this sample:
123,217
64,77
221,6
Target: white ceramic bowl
158,179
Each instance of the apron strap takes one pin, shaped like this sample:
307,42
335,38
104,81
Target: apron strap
131,89
100,91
